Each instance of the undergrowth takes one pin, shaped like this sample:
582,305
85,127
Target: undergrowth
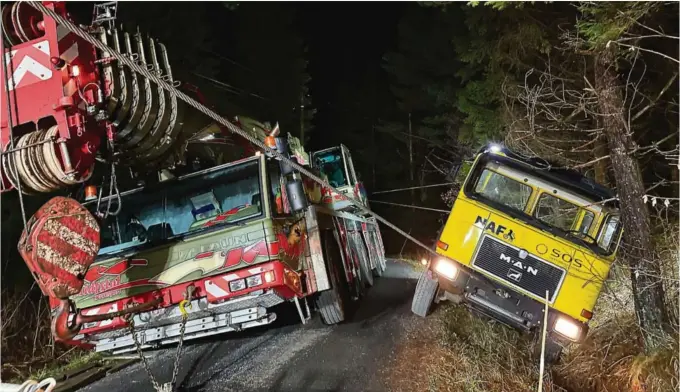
28,349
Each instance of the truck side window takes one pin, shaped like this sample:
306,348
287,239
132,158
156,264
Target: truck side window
332,165
609,233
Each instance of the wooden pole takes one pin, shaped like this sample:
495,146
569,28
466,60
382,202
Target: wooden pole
543,336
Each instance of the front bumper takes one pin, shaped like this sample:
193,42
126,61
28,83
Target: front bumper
216,308
502,303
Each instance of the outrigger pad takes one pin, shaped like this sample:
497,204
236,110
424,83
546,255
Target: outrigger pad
58,244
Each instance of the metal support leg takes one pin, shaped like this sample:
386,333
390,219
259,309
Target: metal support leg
309,313
303,318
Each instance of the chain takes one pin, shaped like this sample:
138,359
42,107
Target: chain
208,112
175,369
156,386
179,349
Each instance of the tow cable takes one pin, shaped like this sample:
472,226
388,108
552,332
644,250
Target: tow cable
113,185
232,128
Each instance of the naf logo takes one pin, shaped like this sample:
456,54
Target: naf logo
495,228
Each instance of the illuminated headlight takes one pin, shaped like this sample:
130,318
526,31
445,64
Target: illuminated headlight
253,281
446,268
236,285
495,148
568,328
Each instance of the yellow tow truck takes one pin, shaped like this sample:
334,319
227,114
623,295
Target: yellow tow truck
522,232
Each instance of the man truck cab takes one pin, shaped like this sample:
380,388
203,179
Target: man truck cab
521,233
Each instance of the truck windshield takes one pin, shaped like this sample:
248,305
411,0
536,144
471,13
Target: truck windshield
188,205
503,190
563,214
573,222
331,164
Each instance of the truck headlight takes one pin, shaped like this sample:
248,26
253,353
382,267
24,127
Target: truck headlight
254,280
567,328
446,268
236,285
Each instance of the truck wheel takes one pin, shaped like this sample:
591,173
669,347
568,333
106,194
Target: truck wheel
332,303
426,289
553,350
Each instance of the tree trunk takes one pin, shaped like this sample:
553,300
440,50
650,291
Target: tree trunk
645,271
410,160
601,165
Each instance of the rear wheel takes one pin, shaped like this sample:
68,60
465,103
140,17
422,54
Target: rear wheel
333,303
426,289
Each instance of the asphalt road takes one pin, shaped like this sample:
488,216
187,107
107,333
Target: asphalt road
287,356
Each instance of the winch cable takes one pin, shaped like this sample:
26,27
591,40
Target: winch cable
208,112
410,206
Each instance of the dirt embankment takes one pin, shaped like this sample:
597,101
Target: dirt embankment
455,350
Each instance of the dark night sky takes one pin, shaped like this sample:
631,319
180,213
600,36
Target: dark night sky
346,43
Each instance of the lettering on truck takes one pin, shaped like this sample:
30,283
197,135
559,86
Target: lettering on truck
542,249
493,227
519,265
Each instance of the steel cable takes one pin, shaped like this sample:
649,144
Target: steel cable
205,110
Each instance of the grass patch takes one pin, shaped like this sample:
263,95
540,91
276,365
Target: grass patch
411,260
73,360
455,350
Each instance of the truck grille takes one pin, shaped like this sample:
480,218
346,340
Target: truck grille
529,273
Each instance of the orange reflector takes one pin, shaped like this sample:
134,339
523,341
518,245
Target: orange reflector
442,245
269,276
90,192
270,141
587,314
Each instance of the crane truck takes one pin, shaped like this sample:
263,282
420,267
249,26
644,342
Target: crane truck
188,255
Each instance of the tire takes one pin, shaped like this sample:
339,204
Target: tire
553,350
364,262
333,303
426,289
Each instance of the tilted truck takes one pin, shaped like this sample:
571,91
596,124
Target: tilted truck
183,257
520,233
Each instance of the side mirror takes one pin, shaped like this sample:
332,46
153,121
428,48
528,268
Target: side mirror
282,148
296,195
